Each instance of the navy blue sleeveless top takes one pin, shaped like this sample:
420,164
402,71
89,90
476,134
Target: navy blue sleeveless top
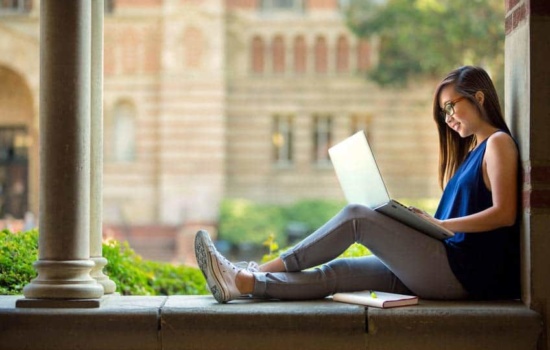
486,263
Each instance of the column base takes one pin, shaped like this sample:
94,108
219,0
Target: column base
109,286
69,279
58,304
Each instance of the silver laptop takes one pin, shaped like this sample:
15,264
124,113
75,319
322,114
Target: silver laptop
362,183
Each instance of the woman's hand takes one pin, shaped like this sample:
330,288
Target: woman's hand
426,216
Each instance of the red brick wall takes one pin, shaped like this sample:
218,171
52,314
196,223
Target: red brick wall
517,11
242,4
322,4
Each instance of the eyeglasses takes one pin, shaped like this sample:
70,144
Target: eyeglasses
449,108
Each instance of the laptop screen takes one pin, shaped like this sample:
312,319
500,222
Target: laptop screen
358,173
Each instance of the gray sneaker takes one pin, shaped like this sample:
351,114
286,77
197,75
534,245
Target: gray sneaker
219,272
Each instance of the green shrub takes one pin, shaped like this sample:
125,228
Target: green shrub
132,274
354,251
135,276
18,251
312,213
243,221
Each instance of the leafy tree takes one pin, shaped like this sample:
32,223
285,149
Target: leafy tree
428,38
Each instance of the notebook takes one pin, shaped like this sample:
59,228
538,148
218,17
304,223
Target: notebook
376,299
362,183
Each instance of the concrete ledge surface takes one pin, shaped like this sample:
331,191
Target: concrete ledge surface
262,324
499,325
198,322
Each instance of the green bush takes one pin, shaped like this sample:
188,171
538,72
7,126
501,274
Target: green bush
243,221
135,276
132,274
18,251
355,250
312,213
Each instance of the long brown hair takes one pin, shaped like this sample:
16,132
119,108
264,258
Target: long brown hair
453,149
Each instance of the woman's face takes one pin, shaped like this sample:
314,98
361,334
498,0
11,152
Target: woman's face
466,119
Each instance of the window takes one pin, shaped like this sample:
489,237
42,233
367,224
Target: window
322,138
257,55
282,139
14,145
321,53
363,56
272,6
360,122
278,55
128,48
121,134
193,47
15,6
300,55
109,6
342,55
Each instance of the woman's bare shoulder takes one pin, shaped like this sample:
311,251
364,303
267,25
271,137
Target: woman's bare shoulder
502,142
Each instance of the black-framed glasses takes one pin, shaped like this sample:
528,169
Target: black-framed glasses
449,107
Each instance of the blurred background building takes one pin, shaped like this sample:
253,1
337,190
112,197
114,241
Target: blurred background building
213,99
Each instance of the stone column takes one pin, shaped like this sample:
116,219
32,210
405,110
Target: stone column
64,263
527,106
96,195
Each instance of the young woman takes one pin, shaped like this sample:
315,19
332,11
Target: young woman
479,171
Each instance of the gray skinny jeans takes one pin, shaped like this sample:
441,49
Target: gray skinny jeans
404,261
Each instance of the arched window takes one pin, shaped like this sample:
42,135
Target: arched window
123,132
257,53
363,56
321,55
342,55
130,43
300,55
278,55
193,47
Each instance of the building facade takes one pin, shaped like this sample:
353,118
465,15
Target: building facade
213,99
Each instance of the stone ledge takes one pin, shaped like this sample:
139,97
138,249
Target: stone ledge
123,323
502,325
204,324
198,322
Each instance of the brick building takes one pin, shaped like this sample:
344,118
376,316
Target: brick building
213,99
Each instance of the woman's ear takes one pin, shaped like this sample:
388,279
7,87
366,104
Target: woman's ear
480,97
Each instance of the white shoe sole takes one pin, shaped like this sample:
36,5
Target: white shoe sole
210,268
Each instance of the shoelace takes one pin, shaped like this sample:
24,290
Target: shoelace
250,266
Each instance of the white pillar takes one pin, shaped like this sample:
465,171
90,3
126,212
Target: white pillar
96,189
64,263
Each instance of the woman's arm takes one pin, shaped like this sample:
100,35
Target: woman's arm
500,174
